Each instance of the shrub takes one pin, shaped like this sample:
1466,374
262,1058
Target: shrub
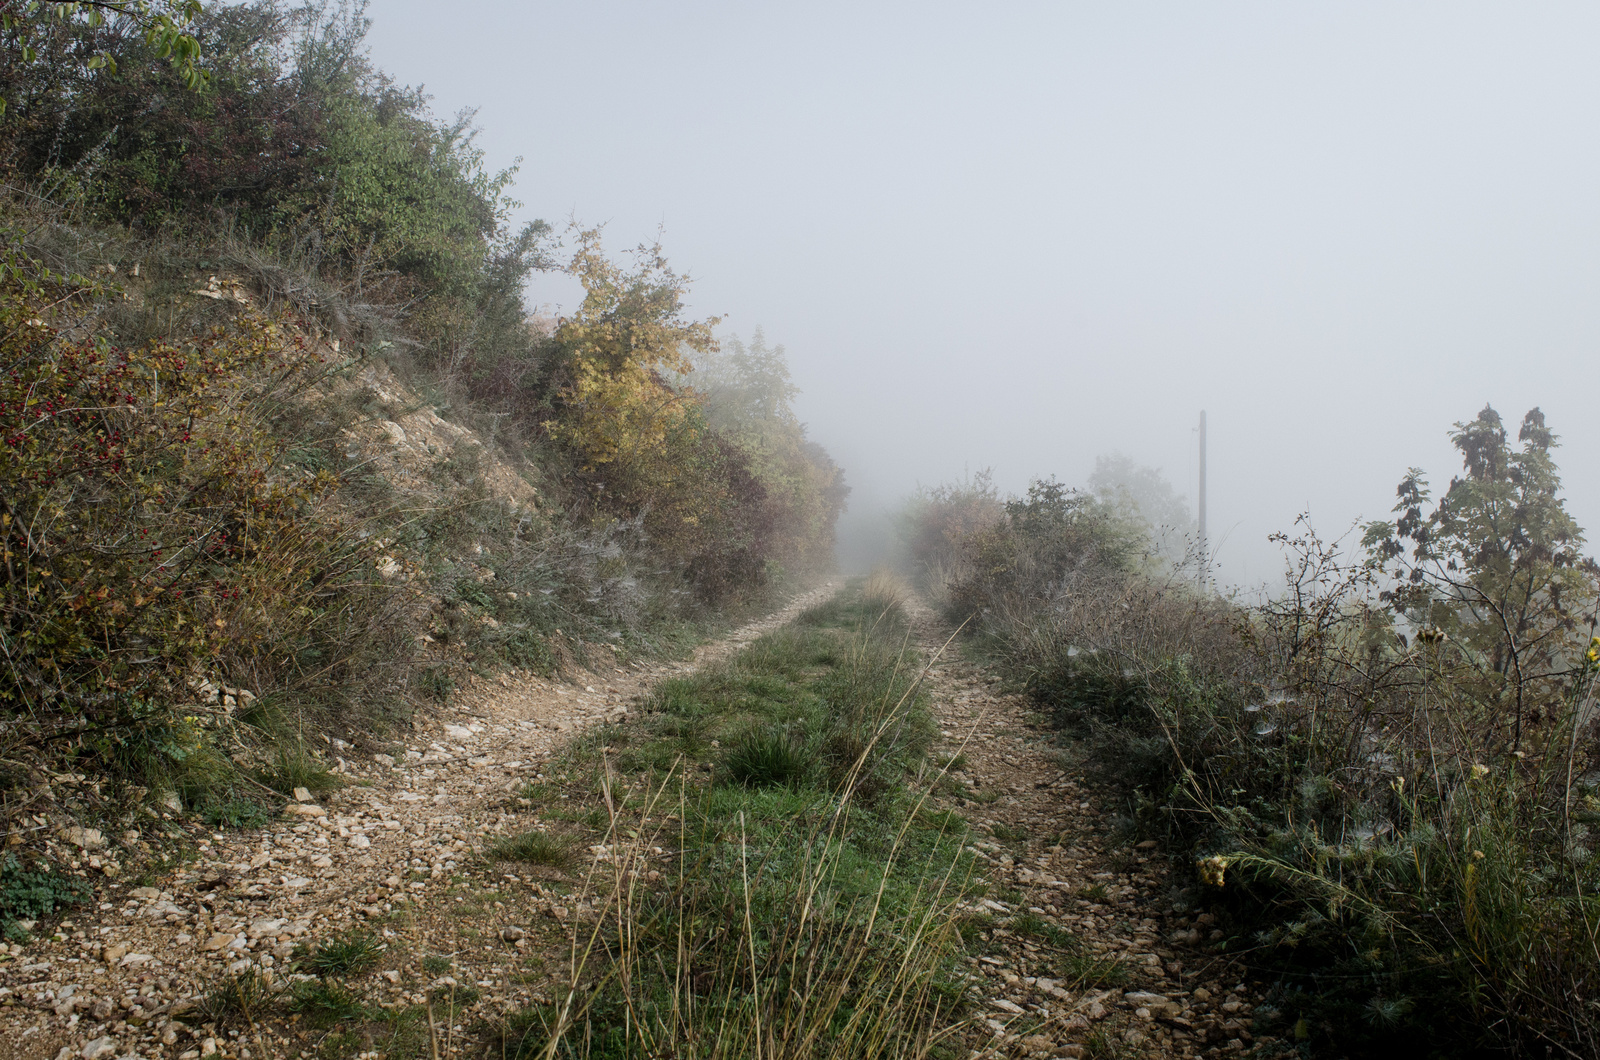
978,554
1385,773
156,544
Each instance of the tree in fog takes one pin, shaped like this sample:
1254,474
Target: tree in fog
1144,495
1496,566
745,387
745,393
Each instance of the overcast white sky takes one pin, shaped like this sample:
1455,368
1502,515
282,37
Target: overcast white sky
1020,235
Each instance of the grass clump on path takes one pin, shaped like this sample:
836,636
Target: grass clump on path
535,848
346,955
768,886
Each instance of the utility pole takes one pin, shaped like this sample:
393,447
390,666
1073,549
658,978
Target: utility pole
1203,556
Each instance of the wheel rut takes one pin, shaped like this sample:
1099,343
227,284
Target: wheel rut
391,856
1086,953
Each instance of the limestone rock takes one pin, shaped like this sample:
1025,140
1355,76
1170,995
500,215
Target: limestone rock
87,838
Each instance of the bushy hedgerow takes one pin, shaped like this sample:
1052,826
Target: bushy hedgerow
1384,774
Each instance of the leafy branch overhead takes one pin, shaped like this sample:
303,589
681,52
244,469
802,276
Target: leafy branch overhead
165,26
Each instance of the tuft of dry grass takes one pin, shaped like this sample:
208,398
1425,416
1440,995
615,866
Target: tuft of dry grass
885,591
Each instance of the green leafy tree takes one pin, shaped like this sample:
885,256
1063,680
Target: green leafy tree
746,389
978,554
1496,566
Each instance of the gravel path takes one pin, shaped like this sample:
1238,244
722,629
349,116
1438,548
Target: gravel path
393,854
126,975
1047,839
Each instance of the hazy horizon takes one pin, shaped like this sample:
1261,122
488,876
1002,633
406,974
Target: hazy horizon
1022,236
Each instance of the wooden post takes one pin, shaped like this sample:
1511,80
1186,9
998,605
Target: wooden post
1204,557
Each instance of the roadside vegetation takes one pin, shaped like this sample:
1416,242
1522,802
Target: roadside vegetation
1385,775
283,455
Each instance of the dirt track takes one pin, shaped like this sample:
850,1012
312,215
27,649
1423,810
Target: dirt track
393,854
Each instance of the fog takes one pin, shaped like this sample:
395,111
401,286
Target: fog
1019,236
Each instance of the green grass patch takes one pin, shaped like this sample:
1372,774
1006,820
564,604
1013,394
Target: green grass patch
34,894
943,821
1035,926
295,767
769,758
325,1001
537,791
809,891
535,848
1079,971
347,955
241,998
